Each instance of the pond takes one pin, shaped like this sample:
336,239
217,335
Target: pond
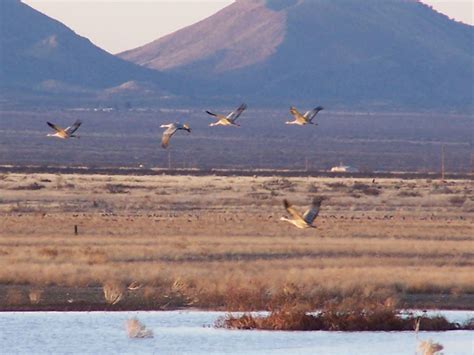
192,332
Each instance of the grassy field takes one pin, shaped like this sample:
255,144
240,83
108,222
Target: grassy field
217,242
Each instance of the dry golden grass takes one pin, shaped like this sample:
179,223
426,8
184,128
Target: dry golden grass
217,242
113,293
35,295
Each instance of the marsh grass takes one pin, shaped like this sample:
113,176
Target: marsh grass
349,315
205,245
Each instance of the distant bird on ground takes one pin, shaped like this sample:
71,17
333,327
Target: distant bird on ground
307,118
230,119
64,133
305,220
172,128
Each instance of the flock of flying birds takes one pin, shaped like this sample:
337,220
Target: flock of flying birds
297,219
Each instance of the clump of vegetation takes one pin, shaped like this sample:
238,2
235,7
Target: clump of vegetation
49,252
312,188
260,195
35,295
22,207
278,184
345,316
441,190
366,189
32,186
409,193
113,293
61,183
116,188
457,200
336,185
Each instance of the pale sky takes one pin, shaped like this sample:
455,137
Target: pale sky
118,25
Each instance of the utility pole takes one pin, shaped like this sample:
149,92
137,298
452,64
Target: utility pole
472,163
442,162
169,159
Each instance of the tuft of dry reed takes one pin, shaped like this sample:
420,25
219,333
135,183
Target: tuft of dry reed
113,293
135,329
427,347
35,295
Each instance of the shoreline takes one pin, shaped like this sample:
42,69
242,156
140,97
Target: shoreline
91,299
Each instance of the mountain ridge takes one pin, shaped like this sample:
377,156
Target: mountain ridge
40,55
388,54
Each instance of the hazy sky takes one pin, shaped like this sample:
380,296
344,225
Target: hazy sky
118,25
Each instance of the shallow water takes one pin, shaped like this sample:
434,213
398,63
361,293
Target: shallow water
192,332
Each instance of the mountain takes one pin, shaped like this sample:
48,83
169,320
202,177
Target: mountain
395,54
41,56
